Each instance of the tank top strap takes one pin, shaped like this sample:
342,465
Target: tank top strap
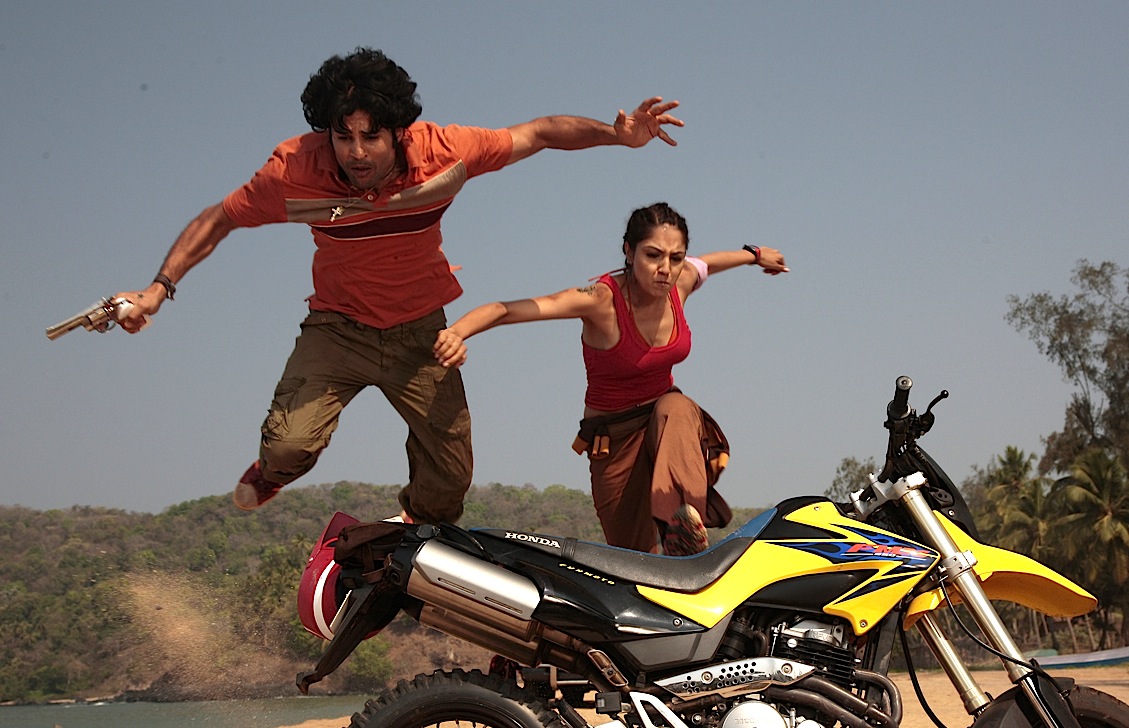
622,314
681,327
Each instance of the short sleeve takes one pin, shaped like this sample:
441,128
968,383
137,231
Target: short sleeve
482,150
261,200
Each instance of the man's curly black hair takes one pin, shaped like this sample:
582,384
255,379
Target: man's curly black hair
365,80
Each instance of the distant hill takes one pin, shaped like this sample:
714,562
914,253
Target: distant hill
198,602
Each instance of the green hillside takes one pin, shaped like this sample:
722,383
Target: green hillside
199,601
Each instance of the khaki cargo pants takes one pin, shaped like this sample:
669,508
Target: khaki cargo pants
334,358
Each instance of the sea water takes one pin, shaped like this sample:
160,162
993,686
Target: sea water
264,713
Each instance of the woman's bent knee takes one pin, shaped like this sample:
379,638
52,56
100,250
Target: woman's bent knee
676,404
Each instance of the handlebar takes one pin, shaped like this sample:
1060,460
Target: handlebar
899,405
902,422
905,427
906,460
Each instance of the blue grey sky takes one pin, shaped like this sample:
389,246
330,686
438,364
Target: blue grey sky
916,163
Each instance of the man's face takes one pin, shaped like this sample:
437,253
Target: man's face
367,155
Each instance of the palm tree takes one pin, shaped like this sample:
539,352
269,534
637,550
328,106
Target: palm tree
1001,485
1029,518
1097,495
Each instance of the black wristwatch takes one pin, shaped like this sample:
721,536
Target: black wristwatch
755,251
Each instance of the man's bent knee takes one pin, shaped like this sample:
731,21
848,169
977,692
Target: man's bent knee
284,461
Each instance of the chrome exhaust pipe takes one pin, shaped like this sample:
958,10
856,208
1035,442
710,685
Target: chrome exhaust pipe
438,566
485,605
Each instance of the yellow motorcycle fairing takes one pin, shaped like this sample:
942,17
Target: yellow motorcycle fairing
885,567
1010,577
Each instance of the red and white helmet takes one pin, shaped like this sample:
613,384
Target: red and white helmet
318,599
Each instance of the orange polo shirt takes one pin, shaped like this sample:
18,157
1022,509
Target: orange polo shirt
378,258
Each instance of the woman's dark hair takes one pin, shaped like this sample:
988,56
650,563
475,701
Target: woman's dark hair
644,221
365,80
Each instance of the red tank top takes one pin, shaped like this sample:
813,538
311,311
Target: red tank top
633,371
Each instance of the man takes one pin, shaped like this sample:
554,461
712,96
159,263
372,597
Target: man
372,183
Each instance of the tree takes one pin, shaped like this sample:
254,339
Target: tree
369,664
999,489
1097,493
850,476
1032,521
1087,336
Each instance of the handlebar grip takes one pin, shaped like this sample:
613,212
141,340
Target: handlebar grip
899,405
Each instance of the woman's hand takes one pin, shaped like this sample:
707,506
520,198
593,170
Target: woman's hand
772,260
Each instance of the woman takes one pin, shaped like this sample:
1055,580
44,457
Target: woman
647,443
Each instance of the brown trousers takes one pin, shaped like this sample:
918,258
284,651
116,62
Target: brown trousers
655,462
334,358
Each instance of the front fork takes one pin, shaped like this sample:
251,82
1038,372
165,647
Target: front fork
956,569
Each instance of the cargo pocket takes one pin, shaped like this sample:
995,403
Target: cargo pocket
277,424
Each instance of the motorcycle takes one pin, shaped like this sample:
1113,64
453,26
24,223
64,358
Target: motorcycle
791,621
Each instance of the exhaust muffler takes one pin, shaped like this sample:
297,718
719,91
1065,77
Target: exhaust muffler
485,605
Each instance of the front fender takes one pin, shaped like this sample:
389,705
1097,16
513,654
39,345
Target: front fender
1013,708
1008,576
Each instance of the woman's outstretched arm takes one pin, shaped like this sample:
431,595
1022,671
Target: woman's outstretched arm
582,303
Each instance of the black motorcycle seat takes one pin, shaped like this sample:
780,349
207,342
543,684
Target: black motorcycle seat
680,573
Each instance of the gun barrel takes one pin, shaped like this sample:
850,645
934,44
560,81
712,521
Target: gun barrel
92,318
54,332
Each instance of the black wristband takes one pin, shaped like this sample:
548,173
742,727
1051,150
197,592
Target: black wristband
170,288
755,251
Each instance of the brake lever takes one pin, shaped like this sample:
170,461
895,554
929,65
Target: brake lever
928,418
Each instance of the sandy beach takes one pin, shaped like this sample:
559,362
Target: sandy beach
938,691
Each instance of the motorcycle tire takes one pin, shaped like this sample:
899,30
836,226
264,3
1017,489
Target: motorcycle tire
458,698
1092,708
1095,709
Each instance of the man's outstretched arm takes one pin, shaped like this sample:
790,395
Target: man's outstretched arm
195,243
577,132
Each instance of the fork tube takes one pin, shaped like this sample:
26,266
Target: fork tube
971,694
966,582
976,601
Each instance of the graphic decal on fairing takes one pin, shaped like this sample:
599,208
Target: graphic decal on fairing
910,558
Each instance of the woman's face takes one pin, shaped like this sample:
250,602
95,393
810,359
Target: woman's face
657,261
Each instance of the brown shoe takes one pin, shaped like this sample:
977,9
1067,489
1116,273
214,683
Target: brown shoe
685,534
253,490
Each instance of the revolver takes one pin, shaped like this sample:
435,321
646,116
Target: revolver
100,317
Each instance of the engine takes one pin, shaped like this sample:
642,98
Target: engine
758,714
819,644
803,675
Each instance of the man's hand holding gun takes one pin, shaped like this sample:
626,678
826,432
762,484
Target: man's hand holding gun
99,317
131,310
